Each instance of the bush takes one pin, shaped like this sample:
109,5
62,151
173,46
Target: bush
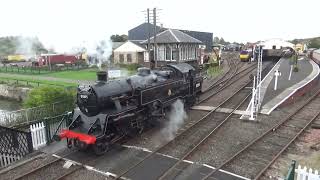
48,95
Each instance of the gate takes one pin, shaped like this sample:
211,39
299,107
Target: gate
14,144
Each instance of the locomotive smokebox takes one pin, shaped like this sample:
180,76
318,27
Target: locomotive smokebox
102,76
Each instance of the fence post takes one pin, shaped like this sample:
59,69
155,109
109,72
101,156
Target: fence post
47,127
27,118
290,175
53,108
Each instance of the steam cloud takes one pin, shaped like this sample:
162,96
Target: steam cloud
177,116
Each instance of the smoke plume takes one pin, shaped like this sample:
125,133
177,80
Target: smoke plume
177,116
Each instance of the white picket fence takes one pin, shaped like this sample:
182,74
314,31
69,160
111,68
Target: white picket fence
305,174
5,160
38,134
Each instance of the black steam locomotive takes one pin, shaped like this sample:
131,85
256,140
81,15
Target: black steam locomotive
111,109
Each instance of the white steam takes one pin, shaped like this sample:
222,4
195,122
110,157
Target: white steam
25,46
177,116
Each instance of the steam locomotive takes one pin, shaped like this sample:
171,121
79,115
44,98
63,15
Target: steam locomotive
109,110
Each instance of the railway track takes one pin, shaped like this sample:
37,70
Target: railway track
257,156
194,126
206,124
233,68
41,171
225,82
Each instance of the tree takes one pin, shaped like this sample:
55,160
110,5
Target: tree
119,38
49,95
295,41
314,43
216,40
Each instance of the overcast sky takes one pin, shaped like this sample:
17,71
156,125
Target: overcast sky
65,23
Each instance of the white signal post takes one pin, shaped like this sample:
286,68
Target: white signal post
256,88
253,99
219,57
291,67
277,73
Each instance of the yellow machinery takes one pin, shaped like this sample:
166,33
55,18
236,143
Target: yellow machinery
17,58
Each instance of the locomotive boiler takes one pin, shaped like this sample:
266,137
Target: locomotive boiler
109,110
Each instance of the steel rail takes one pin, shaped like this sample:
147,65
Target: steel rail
263,135
184,131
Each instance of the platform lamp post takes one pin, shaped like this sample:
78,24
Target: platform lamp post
277,73
219,56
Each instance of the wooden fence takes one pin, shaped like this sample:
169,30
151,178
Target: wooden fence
7,159
42,132
38,134
14,144
40,70
307,174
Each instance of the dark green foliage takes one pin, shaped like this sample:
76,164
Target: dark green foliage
119,38
314,43
48,95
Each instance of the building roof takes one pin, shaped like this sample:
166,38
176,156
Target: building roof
130,47
173,36
268,44
141,32
115,45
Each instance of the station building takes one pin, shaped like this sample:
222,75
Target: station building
140,33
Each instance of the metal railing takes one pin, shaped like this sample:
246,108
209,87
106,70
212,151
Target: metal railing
24,117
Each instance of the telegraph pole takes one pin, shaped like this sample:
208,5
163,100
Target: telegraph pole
148,14
154,36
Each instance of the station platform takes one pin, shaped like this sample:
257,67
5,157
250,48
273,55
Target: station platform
288,88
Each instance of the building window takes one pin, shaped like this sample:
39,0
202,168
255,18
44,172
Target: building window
161,53
168,53
121,58
129,58
185,53
174,54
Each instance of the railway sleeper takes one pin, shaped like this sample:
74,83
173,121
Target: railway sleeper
277,142
245,168
257,158
299,123
265,148
290,127
284,135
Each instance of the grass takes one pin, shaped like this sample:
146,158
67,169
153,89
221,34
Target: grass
214,71
84,74
29,82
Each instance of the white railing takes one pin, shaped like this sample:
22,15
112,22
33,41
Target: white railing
5,160
305,174
38,134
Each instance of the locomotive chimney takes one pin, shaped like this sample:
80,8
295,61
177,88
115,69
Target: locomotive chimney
102,76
